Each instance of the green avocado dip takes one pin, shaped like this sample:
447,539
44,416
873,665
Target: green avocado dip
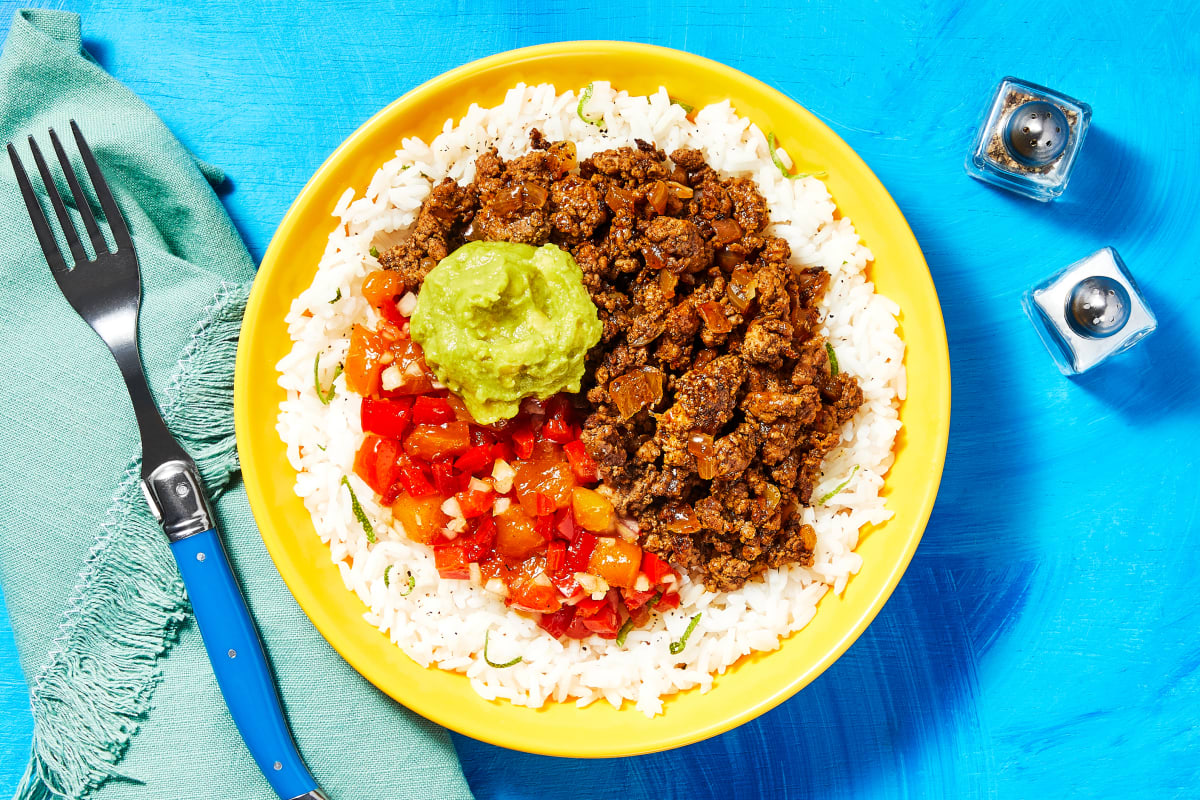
501,321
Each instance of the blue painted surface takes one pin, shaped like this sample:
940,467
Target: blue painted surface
1044,641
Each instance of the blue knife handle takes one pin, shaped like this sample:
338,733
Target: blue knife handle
240,664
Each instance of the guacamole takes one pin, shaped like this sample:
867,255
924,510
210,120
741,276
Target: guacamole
501,321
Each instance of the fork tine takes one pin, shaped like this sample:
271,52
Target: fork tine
60,209
81,198
116,221
41,226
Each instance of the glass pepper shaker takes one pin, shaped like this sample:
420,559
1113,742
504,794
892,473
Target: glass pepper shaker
1029,139
1089,312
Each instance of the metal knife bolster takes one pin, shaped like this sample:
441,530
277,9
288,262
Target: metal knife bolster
177,500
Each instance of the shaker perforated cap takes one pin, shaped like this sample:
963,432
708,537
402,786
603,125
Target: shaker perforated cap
1098,307
1037,133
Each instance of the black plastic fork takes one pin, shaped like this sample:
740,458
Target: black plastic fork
106,290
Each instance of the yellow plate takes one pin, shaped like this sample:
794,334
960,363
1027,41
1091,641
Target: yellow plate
755,684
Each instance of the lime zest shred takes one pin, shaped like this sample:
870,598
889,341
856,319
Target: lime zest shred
677,647
686,108
337,296
833,364
374,251
491,663
324,396
585,96
388,584
772,146
826,498
359,514
625,629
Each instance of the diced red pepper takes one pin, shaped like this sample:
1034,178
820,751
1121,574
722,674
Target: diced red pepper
557,430
588,607
428,410
556,556
364,461
533,597
376,464
444,479
565,583
503,451
480,544
475,503
605,623
481,436
635,599
476,459
523,440
559,407
451,561
577,630
668,601
391,312
655,568
414,480
582,465
387,464
387,418
545,505
556,624
566,527
545,527
580,552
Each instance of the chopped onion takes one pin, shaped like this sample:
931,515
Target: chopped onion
500,506
477,485
534,194
653,257
642,584
476,573
636,390
625,532
451,508
658,197
667,281
680,191
700,445
741,288
619,199
725,231
496,586
391,378
681,518
502,476
407,304
714,317
592,584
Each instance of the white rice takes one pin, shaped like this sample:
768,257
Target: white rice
443,622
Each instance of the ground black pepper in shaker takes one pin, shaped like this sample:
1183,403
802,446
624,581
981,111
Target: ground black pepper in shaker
1029,139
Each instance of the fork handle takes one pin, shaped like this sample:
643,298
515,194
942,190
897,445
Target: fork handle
240,664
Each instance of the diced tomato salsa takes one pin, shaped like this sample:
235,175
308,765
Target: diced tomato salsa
515,505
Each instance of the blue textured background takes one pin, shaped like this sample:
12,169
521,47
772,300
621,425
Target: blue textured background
1045,640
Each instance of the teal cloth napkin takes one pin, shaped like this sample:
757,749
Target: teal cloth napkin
124,701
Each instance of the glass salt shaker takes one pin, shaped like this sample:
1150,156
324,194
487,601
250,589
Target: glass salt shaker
1089,312
1029,139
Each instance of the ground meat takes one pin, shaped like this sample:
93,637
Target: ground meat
749,398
